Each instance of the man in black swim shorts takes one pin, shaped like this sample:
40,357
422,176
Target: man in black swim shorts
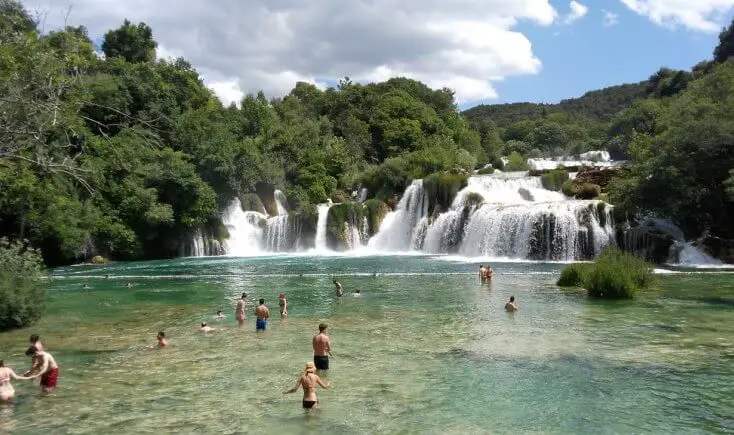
321,348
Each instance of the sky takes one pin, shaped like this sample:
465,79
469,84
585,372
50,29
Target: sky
487,51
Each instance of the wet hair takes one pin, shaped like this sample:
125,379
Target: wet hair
219,311
480,266
262,301
31,351
244,295
322,327
35,338
358,290
203,324
161,334
512,298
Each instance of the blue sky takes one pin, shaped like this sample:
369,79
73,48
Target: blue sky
587,55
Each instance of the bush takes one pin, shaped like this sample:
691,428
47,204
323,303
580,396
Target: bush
580,190
485,171
554,179
376,211
441,189
614,275
573,275
21,291
498,164
251,202
570,188
516,162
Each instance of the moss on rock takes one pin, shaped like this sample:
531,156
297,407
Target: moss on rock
339,214
376,211
251,202
441,189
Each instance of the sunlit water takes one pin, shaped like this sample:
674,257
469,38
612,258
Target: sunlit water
426,349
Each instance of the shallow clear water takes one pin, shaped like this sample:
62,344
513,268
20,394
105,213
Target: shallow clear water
426,349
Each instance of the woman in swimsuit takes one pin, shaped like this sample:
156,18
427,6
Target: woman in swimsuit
7,392
283,303
308,380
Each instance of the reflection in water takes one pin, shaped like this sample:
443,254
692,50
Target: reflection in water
426,349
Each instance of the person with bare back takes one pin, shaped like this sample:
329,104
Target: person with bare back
283,304
7,392
308,381
48,370
321,348
239,311
262,314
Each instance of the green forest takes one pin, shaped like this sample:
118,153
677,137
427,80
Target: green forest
109,151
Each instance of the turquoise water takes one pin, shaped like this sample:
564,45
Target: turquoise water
426,349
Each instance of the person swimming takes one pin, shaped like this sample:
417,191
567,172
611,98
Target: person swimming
283,304
7,392
206,328
308,381
262,314
512,305
220,315
357,293
162,342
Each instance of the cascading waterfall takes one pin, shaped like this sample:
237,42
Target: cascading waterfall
280,201
245,230
276,234
399,229
323,213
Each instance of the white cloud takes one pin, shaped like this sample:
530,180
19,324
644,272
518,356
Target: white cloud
699,15
578,11
610,19
241,47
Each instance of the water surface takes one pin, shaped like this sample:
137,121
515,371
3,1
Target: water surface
426,349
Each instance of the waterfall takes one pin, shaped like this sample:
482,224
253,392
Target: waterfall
197,245
323,213
689,255
400,227
280,201
276,234
245,230
363,194
353,237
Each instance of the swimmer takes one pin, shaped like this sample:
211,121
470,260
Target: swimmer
357,294
262,314
129,285
283,304
482,272
106,277
7,392
49,370
339,289
488,273
512,305
36,341
162,342
86,287
308,380
239,311
321,348
220,315
205,328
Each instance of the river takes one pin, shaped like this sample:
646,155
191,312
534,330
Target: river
425,349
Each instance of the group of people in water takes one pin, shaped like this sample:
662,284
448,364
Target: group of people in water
43,365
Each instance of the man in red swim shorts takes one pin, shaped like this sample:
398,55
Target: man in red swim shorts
48,369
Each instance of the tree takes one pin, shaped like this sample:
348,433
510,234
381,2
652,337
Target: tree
130,42
725,49
21,291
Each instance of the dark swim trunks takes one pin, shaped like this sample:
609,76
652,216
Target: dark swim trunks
260,324
50,378
321,362
308,404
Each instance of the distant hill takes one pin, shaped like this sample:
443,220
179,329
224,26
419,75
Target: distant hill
600,105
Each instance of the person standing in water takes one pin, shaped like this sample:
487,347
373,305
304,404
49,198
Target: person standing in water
512,305
48,371
36,341
308,381
162,342
262,314
339,289
7,392
321,348
283,304
239,311
482,272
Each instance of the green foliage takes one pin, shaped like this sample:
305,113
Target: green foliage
376,211
580,190
516,162
441,189
573,275
614,275
554,179
130,42
251,202
486,171
339,214
21,291
725,49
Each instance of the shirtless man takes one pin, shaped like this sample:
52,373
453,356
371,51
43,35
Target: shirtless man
512,305
162,342
308,380
7,392
321,348
48,370
262,314
283,304
239,311
482,272
339,289
488,273
205,328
